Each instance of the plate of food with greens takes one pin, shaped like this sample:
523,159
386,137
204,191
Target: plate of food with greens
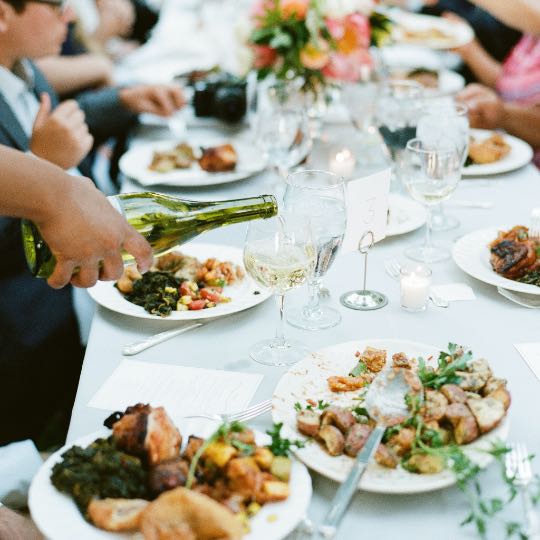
455,420
196,281
144,478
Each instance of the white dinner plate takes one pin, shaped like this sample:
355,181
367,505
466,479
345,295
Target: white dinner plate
520,155
134,164
471,254
244,294
308,380
456,34
58,518
405,215
449,82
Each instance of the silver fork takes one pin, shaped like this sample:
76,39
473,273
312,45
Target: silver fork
239,416
393,269
528,301
518,468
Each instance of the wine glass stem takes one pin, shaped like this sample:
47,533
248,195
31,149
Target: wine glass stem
314,289
428,244
280,330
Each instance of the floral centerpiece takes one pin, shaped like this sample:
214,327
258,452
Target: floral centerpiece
318,41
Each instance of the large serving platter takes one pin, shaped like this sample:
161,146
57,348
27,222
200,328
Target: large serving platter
308,380
58,518
471,254
244,294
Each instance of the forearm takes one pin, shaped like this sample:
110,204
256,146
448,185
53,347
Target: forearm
485,68
69,74
29,187
16,527
522,122
523,15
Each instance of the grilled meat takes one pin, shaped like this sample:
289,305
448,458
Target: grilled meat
513,254
168,475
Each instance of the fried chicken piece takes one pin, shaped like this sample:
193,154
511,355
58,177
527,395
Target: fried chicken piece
116,514
492,149
347,383
219,158
148,433
375,359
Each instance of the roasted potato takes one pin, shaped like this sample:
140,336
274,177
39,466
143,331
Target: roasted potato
453,393
342,418
425,463
308,422
487,411
333,439
220,453
281,468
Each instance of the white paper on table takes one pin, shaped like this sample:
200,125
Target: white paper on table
453,292
181,390
367,208
531,354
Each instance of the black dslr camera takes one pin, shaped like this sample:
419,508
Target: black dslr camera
220,95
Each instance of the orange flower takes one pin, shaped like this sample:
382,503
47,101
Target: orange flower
356,34
314,57
296,8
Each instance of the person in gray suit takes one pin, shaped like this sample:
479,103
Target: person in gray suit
40,350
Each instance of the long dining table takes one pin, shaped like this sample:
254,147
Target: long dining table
490,325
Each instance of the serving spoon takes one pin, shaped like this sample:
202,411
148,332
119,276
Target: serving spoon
385,403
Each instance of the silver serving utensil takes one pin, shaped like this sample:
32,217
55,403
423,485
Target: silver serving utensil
239,416
522,299
385,403
139,346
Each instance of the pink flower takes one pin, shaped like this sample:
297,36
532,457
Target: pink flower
313,57
361,27
260,7
347,67
265,56
336,27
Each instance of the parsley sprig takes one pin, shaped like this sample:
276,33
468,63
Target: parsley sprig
281,446
456,359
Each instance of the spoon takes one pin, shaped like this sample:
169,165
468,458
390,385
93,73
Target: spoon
385,403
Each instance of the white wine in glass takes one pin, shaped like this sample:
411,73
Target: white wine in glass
280,256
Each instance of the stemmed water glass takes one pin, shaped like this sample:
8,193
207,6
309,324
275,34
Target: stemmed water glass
320,197
431,173
397,112
279,254
444,120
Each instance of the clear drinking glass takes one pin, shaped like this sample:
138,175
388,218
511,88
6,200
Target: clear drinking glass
444,120
397,112
279,254
360,99
431,173
319,196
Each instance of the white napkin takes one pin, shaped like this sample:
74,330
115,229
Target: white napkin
181,390
531,354
452,292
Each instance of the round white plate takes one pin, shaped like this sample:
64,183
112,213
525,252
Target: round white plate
458,33
471,254
134,164
58,518
405,215
450,82
520,155
243,294
308,380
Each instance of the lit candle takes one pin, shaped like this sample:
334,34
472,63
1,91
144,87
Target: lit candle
343,163
415,282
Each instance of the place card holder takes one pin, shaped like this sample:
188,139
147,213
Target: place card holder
364,299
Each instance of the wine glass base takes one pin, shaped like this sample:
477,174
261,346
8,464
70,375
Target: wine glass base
324,317
364,300
428,255
443,222
272,352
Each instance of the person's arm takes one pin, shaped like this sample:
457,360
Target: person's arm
80,226
70,74
17,527
523,15
484,67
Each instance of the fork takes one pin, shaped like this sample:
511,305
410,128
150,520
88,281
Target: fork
239,416
521,299
393,269
518,468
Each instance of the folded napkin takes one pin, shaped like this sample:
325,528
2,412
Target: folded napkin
531,354
453,292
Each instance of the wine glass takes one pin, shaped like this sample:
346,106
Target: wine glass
279,254
360,100
431,173
320,197
441,120
397,112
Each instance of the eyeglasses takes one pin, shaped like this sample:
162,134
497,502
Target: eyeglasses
60,6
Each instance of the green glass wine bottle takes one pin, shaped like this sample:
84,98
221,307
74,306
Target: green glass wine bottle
163,220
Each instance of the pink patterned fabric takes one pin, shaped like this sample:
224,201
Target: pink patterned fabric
520,78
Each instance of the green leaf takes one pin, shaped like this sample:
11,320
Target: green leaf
358,369
281,41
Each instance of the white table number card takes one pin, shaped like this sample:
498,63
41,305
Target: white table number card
531,354
367,208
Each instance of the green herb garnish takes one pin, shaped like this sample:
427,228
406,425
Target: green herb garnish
279,445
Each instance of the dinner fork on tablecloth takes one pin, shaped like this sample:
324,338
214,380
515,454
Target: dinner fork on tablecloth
239,416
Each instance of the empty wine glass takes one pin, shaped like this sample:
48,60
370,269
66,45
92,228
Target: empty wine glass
320,197
431,173
397,112
360,100
444,120
279,254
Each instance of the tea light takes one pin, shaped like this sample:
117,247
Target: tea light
343,163
415,282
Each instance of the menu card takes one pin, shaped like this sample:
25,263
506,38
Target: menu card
367,209
181,390
531,354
